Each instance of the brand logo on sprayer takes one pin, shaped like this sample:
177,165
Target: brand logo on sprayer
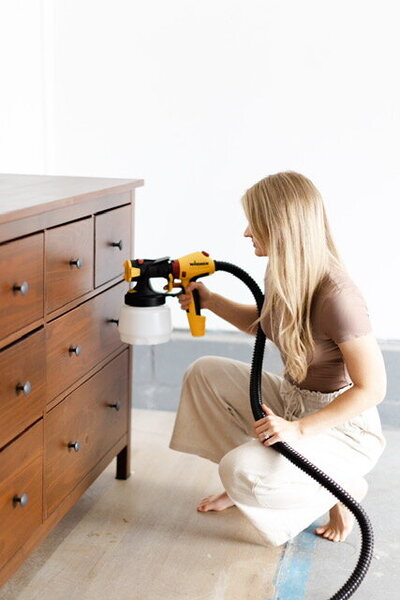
198,264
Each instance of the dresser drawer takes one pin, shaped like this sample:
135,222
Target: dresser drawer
20,478
113,243
21,283
69,262
80,339
83,427
22,385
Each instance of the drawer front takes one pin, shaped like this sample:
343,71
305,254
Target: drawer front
20,478
80,339
83,427
21,283
69,262
113,243
22,385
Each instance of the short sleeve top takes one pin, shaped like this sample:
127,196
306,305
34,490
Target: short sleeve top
338,314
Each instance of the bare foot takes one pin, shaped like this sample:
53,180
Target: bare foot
217,502
341,520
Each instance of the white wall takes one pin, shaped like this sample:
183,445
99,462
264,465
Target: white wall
202,99
21,87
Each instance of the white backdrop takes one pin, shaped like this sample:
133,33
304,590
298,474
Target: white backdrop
202,99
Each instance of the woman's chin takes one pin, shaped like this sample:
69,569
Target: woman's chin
259,252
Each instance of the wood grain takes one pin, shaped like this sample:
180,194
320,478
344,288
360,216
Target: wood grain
87,326
21,261
20,473
21,363
84,417
28,195
45,222
112,227
65,281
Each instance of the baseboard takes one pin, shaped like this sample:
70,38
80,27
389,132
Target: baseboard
158,370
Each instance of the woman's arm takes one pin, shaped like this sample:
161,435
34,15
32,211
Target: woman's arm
366,368
241,316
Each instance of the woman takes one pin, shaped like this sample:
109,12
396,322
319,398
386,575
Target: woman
334,376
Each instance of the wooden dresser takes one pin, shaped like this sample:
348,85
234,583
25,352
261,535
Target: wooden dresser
65,376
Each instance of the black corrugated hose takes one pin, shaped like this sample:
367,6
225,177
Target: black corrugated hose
367,541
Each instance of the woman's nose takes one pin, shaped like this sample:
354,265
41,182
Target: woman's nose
247,232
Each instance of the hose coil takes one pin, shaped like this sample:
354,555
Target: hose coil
367,538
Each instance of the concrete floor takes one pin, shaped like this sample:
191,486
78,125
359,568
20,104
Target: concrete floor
142,539
331,564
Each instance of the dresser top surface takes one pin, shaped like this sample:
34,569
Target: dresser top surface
28,195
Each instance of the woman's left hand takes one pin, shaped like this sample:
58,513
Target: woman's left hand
272,429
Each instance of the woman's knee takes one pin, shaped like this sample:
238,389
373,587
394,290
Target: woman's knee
197,372
201,366
209,365
206,369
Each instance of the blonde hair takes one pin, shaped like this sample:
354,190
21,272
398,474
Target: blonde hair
286,213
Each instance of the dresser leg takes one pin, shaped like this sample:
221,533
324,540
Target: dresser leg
123,464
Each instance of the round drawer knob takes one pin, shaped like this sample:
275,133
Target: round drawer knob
118,244
21,500
78,263
22,289
116,405
77,350
74,446
25,388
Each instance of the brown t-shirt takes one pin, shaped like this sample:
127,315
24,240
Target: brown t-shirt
338,314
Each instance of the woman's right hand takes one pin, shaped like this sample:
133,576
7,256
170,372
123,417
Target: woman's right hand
204,295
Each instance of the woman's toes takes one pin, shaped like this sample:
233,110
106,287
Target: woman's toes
217,502
203,503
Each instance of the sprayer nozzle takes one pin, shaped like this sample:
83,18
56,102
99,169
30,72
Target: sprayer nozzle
130,272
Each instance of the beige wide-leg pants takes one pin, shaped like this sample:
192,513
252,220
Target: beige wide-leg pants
214,421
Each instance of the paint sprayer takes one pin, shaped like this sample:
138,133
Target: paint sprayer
145,320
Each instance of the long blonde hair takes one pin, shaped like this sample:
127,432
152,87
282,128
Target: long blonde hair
286,213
